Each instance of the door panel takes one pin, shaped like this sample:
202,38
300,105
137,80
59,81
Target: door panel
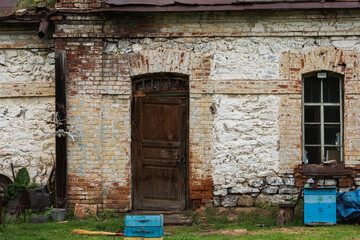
160,160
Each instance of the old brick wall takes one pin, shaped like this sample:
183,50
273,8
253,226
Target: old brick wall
78,4
26,101
245,72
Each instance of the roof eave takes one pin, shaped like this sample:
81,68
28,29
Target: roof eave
234,7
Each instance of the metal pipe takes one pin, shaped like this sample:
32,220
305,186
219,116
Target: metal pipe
43,27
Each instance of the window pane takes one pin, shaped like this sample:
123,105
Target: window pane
147,84
312,90
312,134
331,90
332,153
312,155
312,114
332,134
173,84
165,84
332,114
139,86
157,84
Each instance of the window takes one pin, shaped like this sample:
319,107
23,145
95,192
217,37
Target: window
322,118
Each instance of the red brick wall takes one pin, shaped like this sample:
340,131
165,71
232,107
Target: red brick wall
78,4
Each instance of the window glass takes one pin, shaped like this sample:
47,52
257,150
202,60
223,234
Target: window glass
331,90
312,134
312,90
312,114
332,134
331,114
313,155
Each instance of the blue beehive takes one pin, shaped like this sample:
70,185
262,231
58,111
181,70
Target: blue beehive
320,206
148,226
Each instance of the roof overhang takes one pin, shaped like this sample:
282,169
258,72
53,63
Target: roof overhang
222,5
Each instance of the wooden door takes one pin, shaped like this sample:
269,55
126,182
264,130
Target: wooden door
160,153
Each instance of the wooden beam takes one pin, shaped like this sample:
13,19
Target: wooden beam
61,150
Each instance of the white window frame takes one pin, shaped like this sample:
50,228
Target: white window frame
322,122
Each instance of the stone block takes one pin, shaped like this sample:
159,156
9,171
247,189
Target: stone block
229,201
284,197
270,190
330,182
256,183
216,201
246,201
244,189
320,182
221,192
275,181
287,190
290,181
346,189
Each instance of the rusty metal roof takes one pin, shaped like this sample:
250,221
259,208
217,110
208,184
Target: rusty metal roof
225,5
195,2
7,5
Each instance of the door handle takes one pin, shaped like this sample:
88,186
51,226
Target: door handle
142,231
144,220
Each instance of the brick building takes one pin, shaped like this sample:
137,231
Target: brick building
176,104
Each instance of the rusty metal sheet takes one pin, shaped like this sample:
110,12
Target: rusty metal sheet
202,2
230,2
207,2
232,7
7,5
337,169
140,2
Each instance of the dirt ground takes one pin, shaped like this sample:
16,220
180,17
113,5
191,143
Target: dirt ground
238,232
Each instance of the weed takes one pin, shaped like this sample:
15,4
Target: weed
91,216
34,185
32,4
196,218
259,216
213,216
108,214
70,215
265,204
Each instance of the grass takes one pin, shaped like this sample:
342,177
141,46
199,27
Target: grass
211,224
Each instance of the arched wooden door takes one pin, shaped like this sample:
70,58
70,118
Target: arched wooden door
160,137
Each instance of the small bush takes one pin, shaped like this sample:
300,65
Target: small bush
21,183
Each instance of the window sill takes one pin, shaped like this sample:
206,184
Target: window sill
337,169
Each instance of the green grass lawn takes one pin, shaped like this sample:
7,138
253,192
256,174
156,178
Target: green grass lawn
229,224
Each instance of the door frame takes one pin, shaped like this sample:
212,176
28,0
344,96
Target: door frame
134,142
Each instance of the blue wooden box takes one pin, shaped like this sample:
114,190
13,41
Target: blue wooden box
320,206
149,226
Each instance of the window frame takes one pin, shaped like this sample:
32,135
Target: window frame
322,115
